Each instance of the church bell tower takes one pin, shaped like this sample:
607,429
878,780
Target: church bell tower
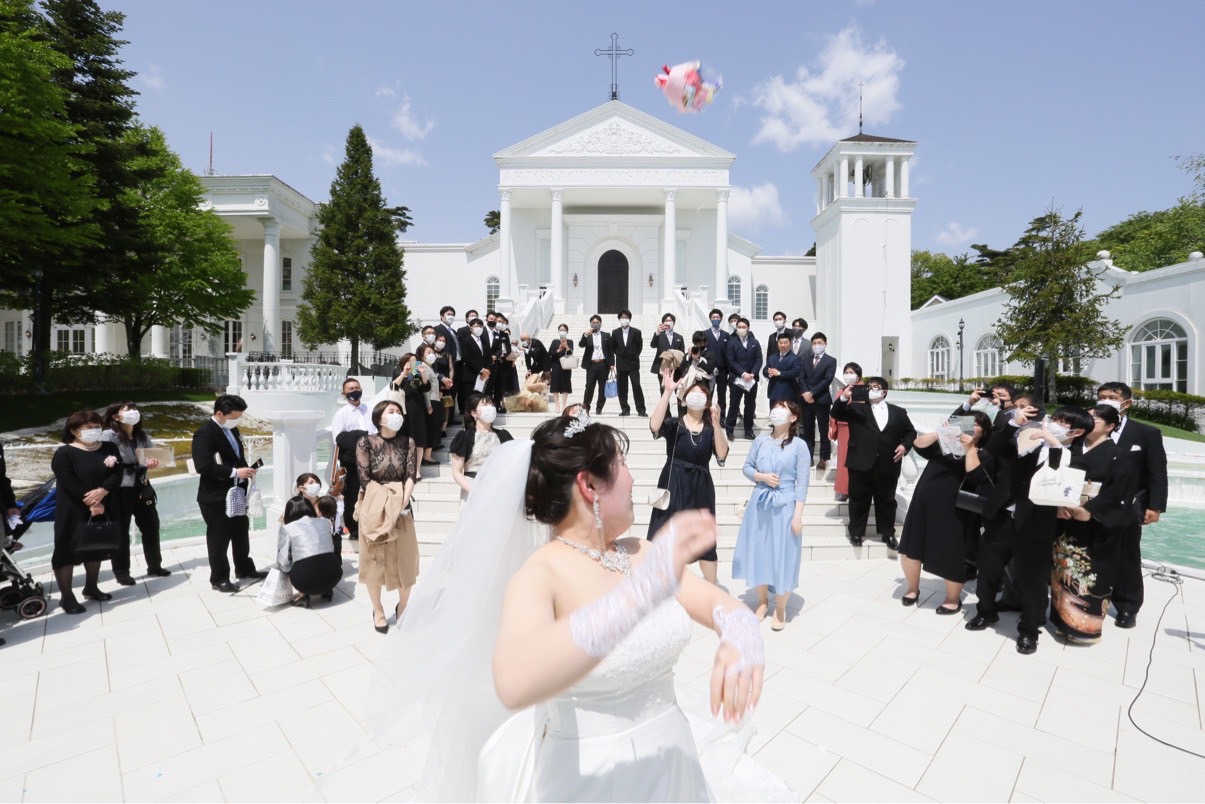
863,229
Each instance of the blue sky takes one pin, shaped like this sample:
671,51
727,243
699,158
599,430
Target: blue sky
1014,105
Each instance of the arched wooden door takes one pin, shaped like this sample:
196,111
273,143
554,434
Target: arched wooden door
612,282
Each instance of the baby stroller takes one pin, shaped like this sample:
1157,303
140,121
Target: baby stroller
23,593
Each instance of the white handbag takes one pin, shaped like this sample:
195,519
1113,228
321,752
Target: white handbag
276,589
236,501
1057,487
570,362
255,500
659,498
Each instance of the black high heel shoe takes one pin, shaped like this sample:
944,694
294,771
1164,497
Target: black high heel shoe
96,594
302,602
381,629
74,607
329,595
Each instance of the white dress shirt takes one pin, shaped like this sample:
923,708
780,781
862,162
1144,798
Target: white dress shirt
352,417
879,409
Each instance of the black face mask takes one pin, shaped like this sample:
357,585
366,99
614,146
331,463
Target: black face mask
354,396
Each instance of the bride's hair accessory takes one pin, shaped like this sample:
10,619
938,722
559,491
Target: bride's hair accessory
577,424
739,628
615,560
599,626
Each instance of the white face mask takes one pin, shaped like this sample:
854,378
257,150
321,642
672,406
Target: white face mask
487,413
439,346
779,416
430,358
230,423
696,400
779,323
741,332
429,338
1113,403
817,350
312,489
875,394
1059,431
393,421
476,332
90,436
563,332
623,322
449,318
131,417
849,379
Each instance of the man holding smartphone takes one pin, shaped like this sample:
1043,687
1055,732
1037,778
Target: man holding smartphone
221,461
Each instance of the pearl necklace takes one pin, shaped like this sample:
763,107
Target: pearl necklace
615,560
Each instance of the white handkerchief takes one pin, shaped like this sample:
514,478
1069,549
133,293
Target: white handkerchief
1136,448
479,386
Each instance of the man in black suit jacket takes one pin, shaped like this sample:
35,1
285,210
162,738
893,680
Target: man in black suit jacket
628,345
598,357
462,334
220,460
476,359
782,369
535,354
665,338
717,344
1002,396
1142,444
815,384
880,435
744,360
780,326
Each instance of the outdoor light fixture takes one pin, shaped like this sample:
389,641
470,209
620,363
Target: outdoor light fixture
252,336
650,280
575,280
961,326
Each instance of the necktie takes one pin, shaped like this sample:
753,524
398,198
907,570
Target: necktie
815,361
231,439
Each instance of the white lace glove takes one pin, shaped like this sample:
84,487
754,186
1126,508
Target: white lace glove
599,626
739,628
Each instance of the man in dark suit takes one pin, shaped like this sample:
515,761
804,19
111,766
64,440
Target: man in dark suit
221,461
1142,444
717,344
665,338
1001,395
815,389
880,435
744,361
462,333
535,354
598,357
628,345
780,326
477,361
782,369
799,344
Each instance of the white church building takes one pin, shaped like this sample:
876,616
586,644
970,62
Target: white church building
617,209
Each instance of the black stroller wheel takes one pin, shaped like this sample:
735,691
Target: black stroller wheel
9,598
32,607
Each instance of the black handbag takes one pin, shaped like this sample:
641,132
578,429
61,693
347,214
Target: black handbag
146,492
95,539
969,500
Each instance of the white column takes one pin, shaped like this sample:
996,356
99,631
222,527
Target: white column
506,288
819,195
891,177
271,296
843,182
294,452
836,180
859,186
102,342
904,177
556,245
669,276
721,249
160,342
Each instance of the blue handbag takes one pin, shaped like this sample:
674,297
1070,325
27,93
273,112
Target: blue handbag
611,389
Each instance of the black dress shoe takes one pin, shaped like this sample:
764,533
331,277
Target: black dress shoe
1126,619
74,607
125,580
1027,644
823,464
749,435
159,571
329,595
730,435
642,413
96,594
891,542
253,574
982,621
224,586
625,413
841,498
856,541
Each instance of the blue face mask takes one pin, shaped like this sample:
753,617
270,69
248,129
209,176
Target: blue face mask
715,323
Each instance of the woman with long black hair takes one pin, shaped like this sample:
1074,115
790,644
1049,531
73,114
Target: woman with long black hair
136,499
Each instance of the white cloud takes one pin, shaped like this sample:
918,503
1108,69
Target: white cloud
955,234
405,121
395,157
152,78
386,92
330,155
750,208
820,105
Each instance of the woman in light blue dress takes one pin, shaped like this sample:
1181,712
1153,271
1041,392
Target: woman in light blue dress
769,546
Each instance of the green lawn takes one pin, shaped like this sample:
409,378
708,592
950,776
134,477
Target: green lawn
1175,432
36,410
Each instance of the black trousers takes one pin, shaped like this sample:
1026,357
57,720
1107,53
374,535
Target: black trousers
596,375
1127,584
224,533
624,375
734,408
1030,550
351,490
721,391
146,517
317,575
878,484
811,415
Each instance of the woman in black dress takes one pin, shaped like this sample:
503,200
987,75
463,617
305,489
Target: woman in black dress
935,530
562,378
1086,550
87,473
415,381
444,369
690,441
122,424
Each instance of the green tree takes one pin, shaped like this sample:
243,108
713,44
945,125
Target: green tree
1056,302
937,274
356,284
197,279
47,192
1194,165
1148,240
493,221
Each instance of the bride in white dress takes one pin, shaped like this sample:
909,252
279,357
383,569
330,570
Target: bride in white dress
535,604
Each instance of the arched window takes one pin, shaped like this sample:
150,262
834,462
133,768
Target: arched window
761,302
939,358
987,356
1159,357
493,289
734,291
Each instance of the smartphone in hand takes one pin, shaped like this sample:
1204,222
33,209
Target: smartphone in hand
258,464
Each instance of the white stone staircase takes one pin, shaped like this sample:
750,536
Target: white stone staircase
437,497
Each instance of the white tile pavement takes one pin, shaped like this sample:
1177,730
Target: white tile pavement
172,692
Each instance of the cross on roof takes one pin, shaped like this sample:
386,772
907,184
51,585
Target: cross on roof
614,53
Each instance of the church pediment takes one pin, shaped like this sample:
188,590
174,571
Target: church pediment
613,130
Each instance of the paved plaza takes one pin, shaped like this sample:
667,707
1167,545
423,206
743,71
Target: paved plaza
173,692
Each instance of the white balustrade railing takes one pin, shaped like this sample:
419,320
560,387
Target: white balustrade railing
534,315
281,375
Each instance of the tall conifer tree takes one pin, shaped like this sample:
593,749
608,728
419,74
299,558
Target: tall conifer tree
355,287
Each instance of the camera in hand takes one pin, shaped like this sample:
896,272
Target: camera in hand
859,393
